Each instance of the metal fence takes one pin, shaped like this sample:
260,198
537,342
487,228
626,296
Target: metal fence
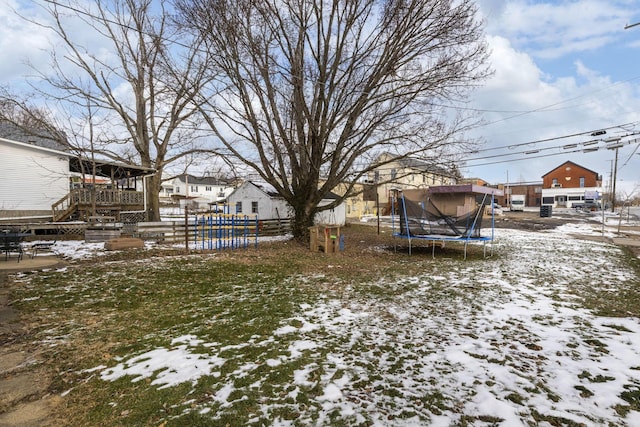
225,231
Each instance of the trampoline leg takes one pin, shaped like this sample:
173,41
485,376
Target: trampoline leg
433,249
465,250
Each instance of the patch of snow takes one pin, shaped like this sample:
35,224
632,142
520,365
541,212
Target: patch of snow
499,338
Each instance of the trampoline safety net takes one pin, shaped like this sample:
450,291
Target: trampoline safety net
451,215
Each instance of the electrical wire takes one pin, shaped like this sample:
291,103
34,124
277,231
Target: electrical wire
578,150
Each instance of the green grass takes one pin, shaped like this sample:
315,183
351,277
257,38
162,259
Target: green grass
104,313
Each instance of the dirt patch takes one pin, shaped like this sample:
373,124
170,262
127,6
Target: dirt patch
24,383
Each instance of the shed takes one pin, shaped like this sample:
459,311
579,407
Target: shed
250,198
334,216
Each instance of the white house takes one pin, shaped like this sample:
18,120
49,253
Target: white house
32,178
251,198
406,173
199,190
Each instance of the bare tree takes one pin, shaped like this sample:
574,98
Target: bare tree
308,92
29,120
140,88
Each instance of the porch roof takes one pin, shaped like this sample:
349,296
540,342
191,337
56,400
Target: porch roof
108,169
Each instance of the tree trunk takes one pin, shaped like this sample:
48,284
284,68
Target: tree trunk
302,220
153,198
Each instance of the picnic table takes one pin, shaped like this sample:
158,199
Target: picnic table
11,241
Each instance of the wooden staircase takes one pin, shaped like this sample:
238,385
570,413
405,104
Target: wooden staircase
79,203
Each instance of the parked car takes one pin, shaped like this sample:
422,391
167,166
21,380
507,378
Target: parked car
587,205
497,209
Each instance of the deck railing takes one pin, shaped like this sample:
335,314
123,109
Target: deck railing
80,199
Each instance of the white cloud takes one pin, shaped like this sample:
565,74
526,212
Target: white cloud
523,104
553,29
21,41
26,44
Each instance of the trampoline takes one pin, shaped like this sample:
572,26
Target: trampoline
444,213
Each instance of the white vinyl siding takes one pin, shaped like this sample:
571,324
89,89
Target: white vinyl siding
31,179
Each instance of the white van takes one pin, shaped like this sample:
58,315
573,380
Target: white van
517,202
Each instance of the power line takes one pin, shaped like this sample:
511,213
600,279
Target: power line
590,133
567,151
518,113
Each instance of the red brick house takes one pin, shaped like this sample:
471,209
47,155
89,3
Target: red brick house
571,175
569,184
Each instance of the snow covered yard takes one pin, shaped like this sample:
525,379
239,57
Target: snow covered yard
511,340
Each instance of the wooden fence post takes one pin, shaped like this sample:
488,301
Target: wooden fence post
186,228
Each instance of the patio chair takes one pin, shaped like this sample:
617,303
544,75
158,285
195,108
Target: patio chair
11,242
44,246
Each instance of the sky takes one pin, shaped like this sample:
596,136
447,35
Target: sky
560,68
526,347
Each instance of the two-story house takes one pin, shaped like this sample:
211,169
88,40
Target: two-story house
570,184
200,191
406,173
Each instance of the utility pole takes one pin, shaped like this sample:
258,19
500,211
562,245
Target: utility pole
615,173
507,198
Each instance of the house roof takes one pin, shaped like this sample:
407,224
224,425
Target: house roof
265,188
569,162
104,168
35,147
203,180
39,138
108,168
418,164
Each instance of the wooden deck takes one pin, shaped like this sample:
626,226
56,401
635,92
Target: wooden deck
78,204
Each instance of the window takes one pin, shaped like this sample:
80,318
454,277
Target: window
207,188
582,182
254,207
394,172
177,189
376,176
238,207
554,181
194,188
548,200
